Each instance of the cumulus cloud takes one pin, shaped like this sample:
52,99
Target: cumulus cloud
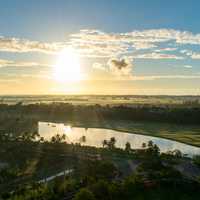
109,44
122,67
24,45
96,43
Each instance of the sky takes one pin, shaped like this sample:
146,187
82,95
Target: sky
100,47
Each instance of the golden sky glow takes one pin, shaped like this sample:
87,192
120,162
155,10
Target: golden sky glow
99,48
67,67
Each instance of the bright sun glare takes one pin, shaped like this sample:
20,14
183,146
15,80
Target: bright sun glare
67,68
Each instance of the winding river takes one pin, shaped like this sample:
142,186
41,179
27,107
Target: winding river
95,137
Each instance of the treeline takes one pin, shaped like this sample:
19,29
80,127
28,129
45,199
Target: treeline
69,112
63,111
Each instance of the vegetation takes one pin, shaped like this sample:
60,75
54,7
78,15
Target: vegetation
106,173
177,123
196,160
101,180
97,173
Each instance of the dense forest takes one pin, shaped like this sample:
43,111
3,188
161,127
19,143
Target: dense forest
65,111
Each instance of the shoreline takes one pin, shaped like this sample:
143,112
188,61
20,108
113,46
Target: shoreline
132,132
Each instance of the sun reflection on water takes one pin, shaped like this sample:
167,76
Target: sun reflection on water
67,129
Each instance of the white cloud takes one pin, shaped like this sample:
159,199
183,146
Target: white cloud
96,43
187,66
155,77
143,45
186,52
24,45
195,55
10,63
109,44
157,56
166,49
98,66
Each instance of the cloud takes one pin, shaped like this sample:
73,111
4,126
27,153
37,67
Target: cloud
121,67
155,77
24,45
191,54
143,45
98,66
195,55
10,63
166,49
186,52
157,56
96,43
187,66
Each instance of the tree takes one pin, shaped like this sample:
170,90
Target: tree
128,147
53,139
58,138
35,135
101,190
177,153
84,194
63,137
153,149
41,139
196,160
111,143
150,143
156,149
105,143
144,145
83,139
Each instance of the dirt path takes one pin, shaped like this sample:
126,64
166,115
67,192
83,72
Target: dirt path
47,179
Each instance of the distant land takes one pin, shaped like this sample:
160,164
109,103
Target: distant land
102,99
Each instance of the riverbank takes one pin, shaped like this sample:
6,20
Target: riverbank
187,134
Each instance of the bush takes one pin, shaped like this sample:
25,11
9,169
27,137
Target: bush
84,194
196,160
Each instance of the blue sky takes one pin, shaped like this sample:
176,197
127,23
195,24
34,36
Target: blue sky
137,47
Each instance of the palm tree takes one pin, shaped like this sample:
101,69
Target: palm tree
83,138
150,143
177,153
41,139
112,142
63,137
53,139
144,145
58,138
105,143
128,147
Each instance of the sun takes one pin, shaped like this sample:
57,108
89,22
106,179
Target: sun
67,67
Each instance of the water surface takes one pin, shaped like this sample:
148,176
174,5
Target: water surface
95,137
